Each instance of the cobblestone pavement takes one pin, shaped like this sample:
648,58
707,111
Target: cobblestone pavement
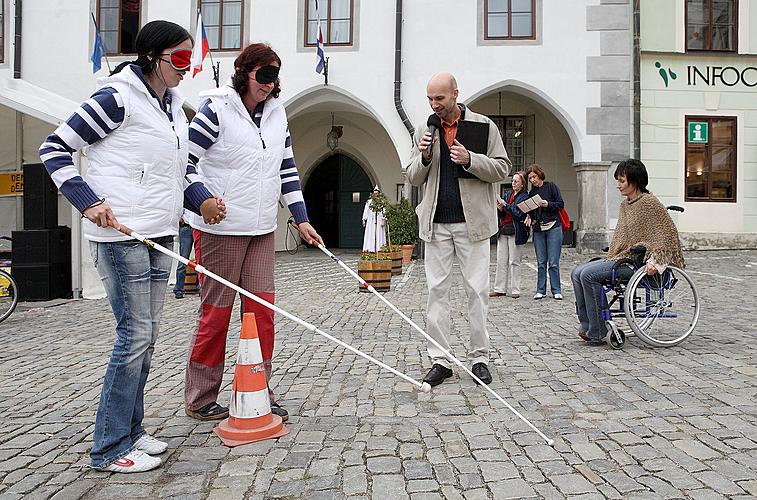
638,423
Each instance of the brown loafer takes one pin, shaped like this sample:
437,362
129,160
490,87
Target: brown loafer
496,294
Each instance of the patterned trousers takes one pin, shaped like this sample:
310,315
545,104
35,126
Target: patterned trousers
247,261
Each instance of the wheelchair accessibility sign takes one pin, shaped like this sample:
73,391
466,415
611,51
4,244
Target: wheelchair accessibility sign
698,132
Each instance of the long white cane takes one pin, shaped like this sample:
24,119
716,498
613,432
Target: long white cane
333,257
200,269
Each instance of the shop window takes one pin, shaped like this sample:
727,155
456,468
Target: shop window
119,22
712,25
510,19
710,158
513,131
222,20
336,21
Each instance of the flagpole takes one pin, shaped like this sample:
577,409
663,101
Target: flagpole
215,66
326,71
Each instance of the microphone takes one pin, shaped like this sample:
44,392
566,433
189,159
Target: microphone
433,123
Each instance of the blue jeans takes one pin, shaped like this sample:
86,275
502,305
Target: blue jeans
588,279
135,279
185,248
548,245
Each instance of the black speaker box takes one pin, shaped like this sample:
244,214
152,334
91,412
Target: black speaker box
42,246
40,198
42,281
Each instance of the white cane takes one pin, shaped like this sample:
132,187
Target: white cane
425,387
549,441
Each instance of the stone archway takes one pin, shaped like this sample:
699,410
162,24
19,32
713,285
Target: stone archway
335,194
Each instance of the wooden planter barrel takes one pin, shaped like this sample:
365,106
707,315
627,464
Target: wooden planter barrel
377,273
396,258
191,284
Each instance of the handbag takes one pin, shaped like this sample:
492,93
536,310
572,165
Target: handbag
562,214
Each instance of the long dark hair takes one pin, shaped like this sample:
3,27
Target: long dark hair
256,54
152,40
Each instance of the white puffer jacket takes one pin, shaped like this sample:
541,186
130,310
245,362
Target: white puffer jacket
139,168
243,166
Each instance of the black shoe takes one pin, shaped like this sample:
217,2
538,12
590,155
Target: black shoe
211,411
437,374
279,411
178,295
482,372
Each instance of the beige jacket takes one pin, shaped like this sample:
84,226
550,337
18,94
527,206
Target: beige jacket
478,195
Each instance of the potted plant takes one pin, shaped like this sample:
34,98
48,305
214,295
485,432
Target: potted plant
376,267
394,252
403,227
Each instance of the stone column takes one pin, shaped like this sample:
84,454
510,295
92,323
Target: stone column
591,235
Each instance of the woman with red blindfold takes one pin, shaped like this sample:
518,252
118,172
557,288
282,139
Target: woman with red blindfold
242,135
135,134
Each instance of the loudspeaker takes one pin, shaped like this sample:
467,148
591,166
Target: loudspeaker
40,198
41,263
42,281
42,246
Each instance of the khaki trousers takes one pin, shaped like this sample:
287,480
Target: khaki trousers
448,241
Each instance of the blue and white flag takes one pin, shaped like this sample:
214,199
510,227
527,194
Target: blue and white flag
321,64
98,49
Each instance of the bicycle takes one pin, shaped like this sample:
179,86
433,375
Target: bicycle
8,290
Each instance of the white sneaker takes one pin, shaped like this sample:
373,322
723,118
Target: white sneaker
558,296
538,296
135,461
150,445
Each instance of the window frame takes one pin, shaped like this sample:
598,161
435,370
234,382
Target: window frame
708,158
733,50
221,26
2,31
522,138
119,52
327,31
510,23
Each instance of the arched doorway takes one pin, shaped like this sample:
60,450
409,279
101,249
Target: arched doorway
335,194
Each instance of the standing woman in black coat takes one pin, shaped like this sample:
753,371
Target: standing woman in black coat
547,231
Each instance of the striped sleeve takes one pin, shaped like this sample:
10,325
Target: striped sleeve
203,133
290,184
98,116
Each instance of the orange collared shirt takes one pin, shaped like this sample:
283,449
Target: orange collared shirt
450,129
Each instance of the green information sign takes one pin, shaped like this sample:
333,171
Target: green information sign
698,132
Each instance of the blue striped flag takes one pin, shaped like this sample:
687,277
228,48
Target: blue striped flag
321,58
98,49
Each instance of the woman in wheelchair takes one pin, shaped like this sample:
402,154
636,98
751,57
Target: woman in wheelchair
645,233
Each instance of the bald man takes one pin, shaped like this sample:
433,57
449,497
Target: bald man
458,167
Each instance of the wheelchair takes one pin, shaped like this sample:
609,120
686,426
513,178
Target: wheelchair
661,309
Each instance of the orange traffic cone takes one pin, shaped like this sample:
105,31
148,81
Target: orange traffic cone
250,418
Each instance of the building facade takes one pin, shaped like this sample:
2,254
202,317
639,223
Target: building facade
699,116
554,75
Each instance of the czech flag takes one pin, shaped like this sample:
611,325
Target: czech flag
201,47
321,59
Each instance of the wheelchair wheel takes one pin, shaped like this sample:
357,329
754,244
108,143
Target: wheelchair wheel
662,309
615,337
8,295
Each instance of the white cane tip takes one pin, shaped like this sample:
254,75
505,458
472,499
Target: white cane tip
425,387
551,442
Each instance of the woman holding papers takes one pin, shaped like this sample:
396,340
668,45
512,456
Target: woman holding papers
513,233
546,199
